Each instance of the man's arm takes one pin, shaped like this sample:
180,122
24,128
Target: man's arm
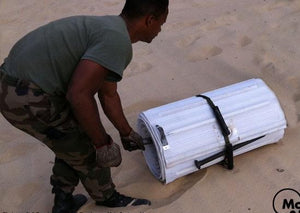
86,81
112,107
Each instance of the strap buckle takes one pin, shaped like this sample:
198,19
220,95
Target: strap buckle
228,151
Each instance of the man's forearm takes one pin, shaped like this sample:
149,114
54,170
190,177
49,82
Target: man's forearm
86,111
112,108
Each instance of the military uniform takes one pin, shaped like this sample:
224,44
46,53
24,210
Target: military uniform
34,81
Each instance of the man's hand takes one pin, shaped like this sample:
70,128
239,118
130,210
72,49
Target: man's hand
132,142
109,155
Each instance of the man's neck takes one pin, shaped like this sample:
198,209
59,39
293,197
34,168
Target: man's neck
132,27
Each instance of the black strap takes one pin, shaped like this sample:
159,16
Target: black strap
200,163
228,152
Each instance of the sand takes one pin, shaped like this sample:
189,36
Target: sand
204,45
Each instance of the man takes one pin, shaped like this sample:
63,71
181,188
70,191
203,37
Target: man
47,89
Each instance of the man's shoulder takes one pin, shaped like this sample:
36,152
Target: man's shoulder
86,19
108,28
110,23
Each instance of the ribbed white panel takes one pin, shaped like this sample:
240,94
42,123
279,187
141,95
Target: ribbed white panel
250,110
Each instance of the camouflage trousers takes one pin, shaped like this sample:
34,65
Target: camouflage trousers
50,120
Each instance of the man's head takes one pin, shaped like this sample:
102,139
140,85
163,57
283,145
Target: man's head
138,8
151,14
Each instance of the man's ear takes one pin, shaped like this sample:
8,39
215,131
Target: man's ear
149,20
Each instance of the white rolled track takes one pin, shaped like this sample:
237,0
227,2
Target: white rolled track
179,133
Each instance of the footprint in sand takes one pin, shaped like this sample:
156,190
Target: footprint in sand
188,40
269,69
15,152
294,82
181,25
297,102
150,188
284,86
162,195
297,97
222,21
244,41
203,53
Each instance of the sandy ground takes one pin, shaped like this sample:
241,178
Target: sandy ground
204,45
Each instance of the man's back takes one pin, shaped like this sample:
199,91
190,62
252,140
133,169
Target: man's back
48,55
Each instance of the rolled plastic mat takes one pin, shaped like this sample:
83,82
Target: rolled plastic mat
185,136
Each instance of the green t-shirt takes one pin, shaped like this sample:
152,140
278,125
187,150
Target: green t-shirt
48,55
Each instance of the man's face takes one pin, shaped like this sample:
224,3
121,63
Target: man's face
154,27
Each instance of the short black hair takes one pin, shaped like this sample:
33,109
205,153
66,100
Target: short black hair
138,8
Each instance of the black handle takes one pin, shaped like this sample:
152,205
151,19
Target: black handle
229,163
229,156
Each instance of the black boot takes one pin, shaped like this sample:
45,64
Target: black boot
67,203
119,200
